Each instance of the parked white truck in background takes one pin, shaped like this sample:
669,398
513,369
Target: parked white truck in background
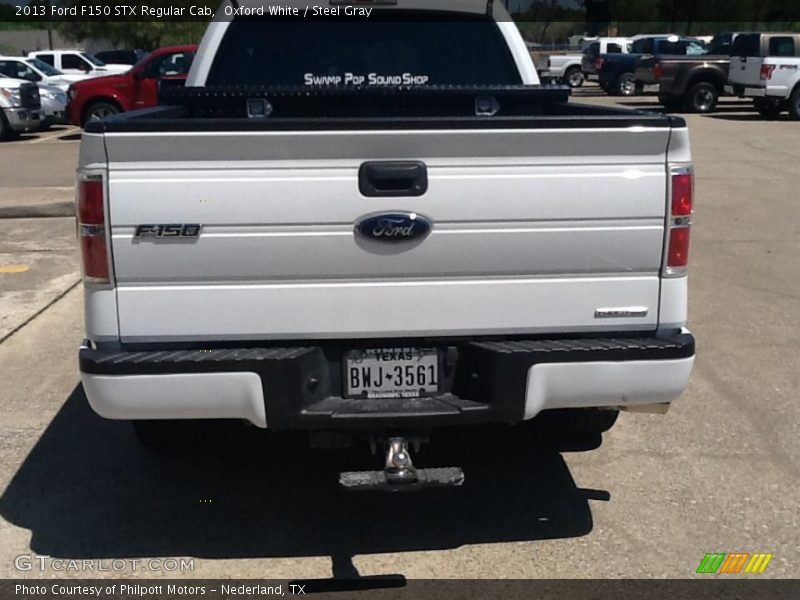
77,62
573,69
33,69
472,250
563,68
52,84
766,67
20,107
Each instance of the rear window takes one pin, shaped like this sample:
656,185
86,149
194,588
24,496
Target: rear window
696,49
167,65
73,61
748,44
614,48
721,44
46,58
593,49
672,48
682,48
382,52
18,70
8,68
781,46
643,46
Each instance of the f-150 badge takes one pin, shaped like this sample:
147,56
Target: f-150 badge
393,227
168,230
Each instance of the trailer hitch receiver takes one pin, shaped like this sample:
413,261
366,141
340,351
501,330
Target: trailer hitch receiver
400,474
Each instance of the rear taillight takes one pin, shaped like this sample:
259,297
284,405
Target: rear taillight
598,64
680,221
92,228
682,194
766,72
678,255
658,71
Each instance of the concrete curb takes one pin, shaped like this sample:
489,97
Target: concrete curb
55,208
33,202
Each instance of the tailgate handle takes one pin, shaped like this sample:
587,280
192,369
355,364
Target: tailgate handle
395,178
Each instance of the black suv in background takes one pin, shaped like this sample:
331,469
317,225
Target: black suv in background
121,57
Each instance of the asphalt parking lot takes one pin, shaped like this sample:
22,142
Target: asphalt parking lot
719,473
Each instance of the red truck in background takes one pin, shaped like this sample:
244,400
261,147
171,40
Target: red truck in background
138,88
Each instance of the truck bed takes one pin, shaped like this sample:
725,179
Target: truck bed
436,107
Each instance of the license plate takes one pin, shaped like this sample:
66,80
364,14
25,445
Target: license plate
391,373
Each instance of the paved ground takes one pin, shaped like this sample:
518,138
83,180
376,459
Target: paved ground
41,159
719,473
38,264
37,256
38,174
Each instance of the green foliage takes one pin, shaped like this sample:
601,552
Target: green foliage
9,19
549,22
133,33
145,35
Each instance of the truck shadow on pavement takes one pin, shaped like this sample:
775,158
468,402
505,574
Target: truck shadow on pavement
88,490
752,117
722,108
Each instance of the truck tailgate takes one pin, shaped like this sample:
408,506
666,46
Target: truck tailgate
534,230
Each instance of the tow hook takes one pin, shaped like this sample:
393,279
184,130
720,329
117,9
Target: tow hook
400,474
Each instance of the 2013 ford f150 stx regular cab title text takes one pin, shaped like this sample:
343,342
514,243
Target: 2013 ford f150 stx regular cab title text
381,261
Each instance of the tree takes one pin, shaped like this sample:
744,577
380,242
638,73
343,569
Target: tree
598,16
549,21
137,32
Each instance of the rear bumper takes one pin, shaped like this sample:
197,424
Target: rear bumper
609,78
299,387
746,91
551,72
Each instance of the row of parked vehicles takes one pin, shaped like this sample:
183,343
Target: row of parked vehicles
62,86
690,73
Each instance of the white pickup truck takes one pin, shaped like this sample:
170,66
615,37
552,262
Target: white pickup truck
562,68
766,68
77,62
33,69
52,85
20,107
381,260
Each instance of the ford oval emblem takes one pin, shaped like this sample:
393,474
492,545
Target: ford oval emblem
393,227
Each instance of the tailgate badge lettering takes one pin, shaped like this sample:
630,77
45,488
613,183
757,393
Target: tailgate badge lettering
624,312
168,230
393,227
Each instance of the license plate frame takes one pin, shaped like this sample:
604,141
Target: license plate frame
391,359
